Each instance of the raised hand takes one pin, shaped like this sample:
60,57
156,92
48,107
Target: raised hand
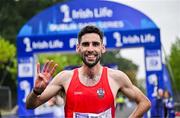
44,76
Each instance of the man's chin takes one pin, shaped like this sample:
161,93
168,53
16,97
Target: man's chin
90,64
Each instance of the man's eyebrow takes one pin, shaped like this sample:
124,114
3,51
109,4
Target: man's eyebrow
95,42
85,42
90,41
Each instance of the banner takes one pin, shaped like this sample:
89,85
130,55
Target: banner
154,80
70,17
118,39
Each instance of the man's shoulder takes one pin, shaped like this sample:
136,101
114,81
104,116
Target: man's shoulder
114,73
66,74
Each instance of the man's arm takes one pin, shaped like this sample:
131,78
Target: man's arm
143,103
132,92
33,100
42,90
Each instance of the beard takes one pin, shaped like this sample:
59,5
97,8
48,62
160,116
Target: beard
88,63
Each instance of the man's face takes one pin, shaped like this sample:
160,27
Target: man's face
90,49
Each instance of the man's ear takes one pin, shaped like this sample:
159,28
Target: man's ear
103,48
77,48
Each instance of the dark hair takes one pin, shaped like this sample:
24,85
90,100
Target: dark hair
90,29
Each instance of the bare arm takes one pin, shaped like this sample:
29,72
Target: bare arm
132,92
33,100
143,103
43,91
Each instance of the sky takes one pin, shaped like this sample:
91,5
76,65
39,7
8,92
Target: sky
166,15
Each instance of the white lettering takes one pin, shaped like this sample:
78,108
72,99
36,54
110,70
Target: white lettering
104,40
40,45
47,44
102,12
72,42
82,14
86,13
117,36
77,26
147,38
111,24
95,13
81,25
62,27
65,9
55,44
27,42
131,39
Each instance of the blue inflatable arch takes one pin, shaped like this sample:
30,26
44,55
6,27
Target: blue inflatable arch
55,30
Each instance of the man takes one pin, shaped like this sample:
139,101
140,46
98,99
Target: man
90,89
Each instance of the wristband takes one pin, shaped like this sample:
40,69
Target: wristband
36,93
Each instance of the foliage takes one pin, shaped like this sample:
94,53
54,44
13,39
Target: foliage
174,60
15,13
125,65
8,65
7,57
7,51
108,58
62,60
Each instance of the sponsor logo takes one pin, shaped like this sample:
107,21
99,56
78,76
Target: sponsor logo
78,93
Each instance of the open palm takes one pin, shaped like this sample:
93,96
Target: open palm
44,76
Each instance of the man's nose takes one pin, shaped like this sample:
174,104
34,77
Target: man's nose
90,47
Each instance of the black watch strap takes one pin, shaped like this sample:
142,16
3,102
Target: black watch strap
36,93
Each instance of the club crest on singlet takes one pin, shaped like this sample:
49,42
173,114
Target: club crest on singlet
100,92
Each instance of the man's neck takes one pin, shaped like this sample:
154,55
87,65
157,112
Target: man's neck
91,72
90,76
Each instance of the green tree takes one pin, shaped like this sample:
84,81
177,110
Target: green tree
15,13
62,60
125,65
8,65
174,60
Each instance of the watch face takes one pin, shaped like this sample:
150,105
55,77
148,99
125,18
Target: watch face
100,93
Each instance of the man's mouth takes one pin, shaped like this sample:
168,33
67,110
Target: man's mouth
90,57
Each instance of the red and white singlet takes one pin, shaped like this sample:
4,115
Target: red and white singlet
89,101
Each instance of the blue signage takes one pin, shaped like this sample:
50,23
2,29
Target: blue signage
67,42
153,66
65,18
154,80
